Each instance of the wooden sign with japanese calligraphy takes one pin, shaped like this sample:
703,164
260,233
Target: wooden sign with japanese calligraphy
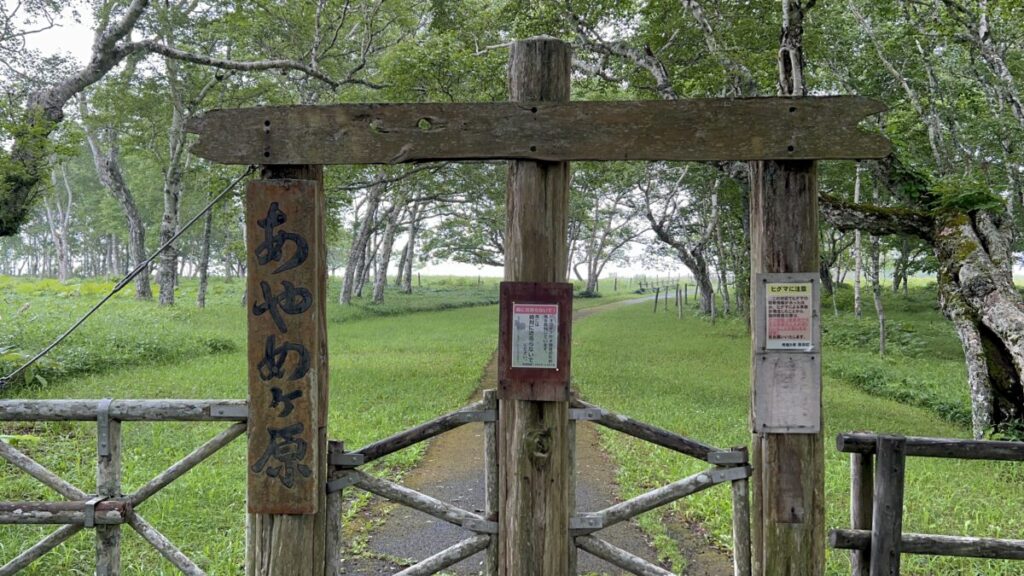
787,354
534,341
283,241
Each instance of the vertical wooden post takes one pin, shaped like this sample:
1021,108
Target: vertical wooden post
741,524
108,484
294,544
789,469
887,513
534,451
333,539
861,493
491,505
657,291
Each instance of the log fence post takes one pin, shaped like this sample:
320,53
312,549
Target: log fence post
533,529
861,495
108,485
887,512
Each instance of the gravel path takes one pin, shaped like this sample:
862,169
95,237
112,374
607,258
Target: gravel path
452,470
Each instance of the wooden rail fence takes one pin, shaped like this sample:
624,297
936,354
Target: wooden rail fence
728,466
877,470
108,509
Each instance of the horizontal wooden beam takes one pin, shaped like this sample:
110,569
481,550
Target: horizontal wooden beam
934,544
144,410
864,443
106,512
695,130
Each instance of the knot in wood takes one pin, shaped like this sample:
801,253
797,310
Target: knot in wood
538,443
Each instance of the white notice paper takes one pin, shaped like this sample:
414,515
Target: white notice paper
535,336
789,324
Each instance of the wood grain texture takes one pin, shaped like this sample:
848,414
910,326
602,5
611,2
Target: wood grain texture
108,512
295,545
862,489
536,128
741,552
865,443
934,544
533,436
491,481
123,410
887,512
283,306
108,484
789,477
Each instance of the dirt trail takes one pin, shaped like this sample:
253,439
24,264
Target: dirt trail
389,537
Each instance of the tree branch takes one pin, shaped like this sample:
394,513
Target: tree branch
880,221
155,47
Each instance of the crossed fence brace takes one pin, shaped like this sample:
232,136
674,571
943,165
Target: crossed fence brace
729,466
107,510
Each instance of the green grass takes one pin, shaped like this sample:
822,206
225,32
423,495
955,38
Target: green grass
397,364
693,378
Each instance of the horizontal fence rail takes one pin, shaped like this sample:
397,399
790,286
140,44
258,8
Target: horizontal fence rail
107,510
877,470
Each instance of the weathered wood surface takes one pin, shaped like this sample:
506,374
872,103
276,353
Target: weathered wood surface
54,539
40,472
698,130
653,499
887,513
934,544
413,499
283,248
417,434
447,557
491,478
294,545
741,523
124,410
108,485
864,443
108,512
533,443
166,548
334,545
862,490
789,469
650,433
178,469
619,557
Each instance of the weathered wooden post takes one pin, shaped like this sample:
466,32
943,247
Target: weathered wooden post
533,439
287,285
789,485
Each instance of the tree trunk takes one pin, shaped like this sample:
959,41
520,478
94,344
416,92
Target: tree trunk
204,259
410,247
380,281
858,258
108,169
172,206
359,241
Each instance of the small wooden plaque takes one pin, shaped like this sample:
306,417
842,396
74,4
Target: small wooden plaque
284,305
535,337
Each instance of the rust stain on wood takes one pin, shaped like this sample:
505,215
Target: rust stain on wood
694,130
285,308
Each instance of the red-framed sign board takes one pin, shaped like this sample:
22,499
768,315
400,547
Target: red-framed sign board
535,336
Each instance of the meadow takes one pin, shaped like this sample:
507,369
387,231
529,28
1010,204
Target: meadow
419,355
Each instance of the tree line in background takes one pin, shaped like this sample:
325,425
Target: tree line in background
94,169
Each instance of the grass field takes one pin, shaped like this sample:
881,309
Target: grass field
693,378
417,356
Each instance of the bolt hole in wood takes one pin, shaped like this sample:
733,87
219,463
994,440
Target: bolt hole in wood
792,108
533,148
534,109
266,123
266,154
790,148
